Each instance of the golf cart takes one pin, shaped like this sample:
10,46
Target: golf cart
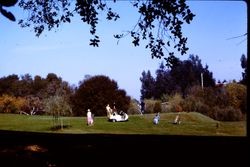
115,117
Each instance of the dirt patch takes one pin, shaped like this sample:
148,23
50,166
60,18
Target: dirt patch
35,148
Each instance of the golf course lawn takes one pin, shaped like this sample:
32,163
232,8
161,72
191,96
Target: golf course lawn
192,123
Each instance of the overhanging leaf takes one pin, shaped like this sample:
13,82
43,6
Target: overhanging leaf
8,3
7,14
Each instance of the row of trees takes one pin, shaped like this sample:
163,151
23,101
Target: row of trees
52,95
176,79
183,88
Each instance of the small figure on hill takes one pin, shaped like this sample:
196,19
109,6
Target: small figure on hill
177,119
156,119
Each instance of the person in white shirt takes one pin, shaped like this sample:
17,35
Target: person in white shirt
156,119
90,120
109,110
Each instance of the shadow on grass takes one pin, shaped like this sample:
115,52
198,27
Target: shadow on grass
53,149
59,127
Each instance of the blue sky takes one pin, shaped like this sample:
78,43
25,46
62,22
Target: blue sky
66,51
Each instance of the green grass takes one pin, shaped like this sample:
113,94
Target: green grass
192,124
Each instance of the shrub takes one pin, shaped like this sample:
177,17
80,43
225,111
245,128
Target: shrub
11,104
133,107
233,114
57,106
175,102
165,107
237,94
203,108
218,113
196,91
150,105
157,107
227,114
176,99
188,104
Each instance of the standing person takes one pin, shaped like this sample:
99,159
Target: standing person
114,108
89,118
142,107
109,110
177,119
156,119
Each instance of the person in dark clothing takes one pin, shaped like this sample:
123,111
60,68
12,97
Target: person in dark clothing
142,106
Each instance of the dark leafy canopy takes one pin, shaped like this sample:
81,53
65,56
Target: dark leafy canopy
95,93
148,85
38,87
243,61
188,73
179,78
34,91
160,22
7,3
163,78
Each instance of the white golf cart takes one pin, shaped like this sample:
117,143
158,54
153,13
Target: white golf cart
115,117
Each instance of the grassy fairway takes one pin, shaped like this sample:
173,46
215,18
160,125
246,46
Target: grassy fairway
192,124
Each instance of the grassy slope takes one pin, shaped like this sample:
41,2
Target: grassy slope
192,124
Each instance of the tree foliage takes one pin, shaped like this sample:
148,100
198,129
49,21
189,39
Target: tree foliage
34,90
243,61
57,106
148,85
43,95
160,22
9,85
187,73
237,96
215,102
164,83
96,92
177,79
11,104
134,107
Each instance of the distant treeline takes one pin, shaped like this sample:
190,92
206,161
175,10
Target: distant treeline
45,95
188,86
183,86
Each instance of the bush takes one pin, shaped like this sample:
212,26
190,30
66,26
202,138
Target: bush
243,106
233,114
237,94
176,99
227,114
57,106
196,91
218,113
189,104
133,108
203,108
175,103
11,104
157,107
165,107
150,105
